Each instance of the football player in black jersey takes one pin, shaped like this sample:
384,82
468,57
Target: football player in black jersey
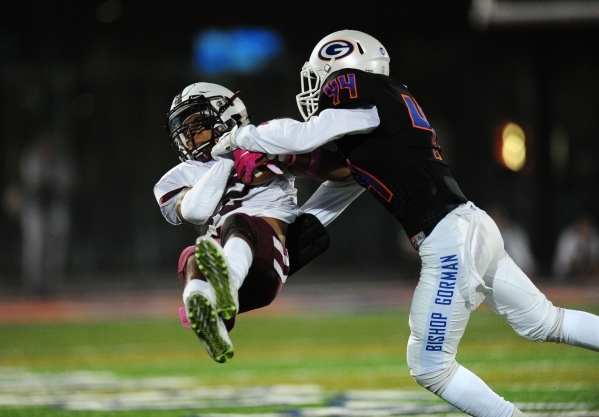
391,150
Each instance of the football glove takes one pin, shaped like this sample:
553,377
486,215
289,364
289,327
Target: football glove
225,144
246,162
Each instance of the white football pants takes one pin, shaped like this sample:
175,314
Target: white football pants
463,264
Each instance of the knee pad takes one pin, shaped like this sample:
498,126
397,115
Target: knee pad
437,381
237,224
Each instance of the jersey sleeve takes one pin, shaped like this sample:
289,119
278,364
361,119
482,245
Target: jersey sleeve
207,183
288,136
331,199
200,203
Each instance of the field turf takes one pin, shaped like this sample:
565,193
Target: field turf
337,352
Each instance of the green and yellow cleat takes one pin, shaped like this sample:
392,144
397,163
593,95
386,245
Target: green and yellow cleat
209,327
213,264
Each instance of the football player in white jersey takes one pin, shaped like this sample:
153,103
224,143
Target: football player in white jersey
244,206
391,149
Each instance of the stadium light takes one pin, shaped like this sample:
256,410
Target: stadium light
511,147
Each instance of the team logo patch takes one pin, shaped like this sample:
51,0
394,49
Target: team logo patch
335,49
382,51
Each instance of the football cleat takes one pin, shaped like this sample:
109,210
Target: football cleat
209,327
213,264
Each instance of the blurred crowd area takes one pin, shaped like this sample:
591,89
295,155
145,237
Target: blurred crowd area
85,87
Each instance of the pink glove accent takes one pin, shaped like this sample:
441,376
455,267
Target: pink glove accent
183,316
247,161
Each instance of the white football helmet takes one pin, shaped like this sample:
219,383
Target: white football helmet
220,111
342,49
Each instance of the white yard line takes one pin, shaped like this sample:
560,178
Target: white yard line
105,391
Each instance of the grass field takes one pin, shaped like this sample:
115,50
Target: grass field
158,368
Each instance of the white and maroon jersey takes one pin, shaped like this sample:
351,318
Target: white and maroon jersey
221,198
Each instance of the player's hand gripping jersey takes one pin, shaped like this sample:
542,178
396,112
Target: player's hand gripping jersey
386,140
247,203
391,150
216,193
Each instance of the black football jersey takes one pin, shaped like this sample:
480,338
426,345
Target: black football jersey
400,161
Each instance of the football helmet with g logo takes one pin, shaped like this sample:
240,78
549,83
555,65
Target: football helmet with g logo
203,107
339,50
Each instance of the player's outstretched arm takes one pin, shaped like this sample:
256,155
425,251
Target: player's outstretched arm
321,164
289,137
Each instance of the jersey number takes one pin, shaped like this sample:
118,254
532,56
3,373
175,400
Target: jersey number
419,122
334,87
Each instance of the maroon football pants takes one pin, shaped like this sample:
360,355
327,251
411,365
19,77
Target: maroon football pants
263,281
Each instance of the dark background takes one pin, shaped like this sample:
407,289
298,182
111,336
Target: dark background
106,87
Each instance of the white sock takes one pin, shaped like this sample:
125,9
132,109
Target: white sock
239,257
196,285
581,329
470,394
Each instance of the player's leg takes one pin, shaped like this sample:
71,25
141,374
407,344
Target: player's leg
269,269
578,328
438,318
534,317
200,309
249,269
225,267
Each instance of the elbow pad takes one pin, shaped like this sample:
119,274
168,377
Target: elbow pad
200,202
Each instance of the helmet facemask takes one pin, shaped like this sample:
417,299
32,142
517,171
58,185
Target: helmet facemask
307,100
197,114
